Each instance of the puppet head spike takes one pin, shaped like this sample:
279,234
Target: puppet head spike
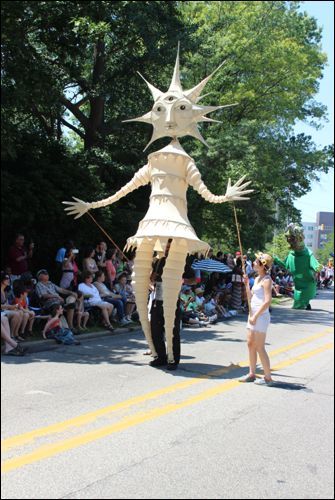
194,132
144,118
175,85
194,93
156,93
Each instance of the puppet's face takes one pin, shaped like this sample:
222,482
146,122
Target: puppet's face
295,236
176,112
172,115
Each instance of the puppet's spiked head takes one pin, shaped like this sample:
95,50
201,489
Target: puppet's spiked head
176,112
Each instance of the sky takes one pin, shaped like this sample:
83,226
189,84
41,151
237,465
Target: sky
321,197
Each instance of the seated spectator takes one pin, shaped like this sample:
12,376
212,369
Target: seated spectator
82,316
18,257
49,295
91,293
14,315
200,301
54,329
112,298
124,288
21,298
213,308
188,306
89,263
12,348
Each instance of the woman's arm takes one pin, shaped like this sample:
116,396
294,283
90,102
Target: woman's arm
247,287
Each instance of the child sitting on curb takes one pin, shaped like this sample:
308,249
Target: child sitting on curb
54,329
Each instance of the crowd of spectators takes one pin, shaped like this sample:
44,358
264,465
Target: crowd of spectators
98,285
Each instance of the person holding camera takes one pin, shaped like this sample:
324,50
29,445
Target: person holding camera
69,279
18,256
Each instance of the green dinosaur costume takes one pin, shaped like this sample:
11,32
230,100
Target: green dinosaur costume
302,264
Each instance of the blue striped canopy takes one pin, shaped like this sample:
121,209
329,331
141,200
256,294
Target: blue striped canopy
211,266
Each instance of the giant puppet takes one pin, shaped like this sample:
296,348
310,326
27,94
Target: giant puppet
302,264
170,171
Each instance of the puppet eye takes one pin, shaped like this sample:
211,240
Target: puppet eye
159,108
182,107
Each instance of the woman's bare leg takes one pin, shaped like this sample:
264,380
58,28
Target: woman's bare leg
260,347
86,317
252,352
24,322
5,335
15,323
31,321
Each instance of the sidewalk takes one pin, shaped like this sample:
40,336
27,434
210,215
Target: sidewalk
49,345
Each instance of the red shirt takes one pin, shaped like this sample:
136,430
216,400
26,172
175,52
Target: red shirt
17,267
21,302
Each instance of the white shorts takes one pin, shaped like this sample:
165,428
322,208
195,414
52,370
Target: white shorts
262,323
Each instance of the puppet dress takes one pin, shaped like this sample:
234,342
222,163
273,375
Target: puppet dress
169,171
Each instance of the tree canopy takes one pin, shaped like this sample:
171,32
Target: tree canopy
69,78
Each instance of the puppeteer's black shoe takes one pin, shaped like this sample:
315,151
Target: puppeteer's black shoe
308,308
172,366
158,362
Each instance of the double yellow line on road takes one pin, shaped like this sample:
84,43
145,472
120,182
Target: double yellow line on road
52,449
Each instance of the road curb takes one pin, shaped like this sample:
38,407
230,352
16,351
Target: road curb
49,345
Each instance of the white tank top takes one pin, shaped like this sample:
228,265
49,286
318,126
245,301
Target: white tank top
257,299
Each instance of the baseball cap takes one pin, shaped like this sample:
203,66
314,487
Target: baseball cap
265,259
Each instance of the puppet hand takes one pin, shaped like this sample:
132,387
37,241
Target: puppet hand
77,208
237,191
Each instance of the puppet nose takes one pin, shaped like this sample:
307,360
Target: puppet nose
170,117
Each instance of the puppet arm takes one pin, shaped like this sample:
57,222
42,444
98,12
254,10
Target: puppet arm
235,192
279,262
79,207
314,264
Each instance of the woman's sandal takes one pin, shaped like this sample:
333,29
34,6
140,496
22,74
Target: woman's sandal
247,378
109,327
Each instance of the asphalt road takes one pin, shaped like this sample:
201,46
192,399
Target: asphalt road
95,421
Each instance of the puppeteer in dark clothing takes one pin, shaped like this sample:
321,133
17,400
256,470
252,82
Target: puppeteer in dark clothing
157,322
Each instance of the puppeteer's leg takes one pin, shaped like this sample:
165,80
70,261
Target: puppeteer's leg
172,279
141,276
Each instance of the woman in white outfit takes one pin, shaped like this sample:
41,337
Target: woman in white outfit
259,318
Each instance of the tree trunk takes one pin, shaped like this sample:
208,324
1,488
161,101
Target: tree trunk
93,135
